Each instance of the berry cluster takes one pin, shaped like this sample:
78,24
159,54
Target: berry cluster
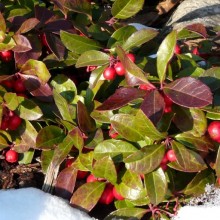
116,68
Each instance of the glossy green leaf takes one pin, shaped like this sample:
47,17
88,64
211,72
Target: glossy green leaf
123,9
187,160
64,86
120,36
126,213
85,161
116,149
7,44
3,141
49,137
2,23
138,38
199,182
36,68
46,157
165,53
94,139
135,128
26,157
87,195
146,159
197,143
11,100
105,168
63,106
131,186
78,44
92,58
156,184
134,75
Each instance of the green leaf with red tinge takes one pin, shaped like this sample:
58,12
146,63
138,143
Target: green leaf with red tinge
22,43
217,163
27,25
116,149
134,75
198,183
123,9
131,186
165,53
87,195
188,92
126,213
146,159
85,121
78,44
65,182
187,160
135,127
153,106
120,98
36,68
105,168
92,58
156,185
2,23
49,137
138,38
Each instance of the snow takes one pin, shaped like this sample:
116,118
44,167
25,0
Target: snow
34,204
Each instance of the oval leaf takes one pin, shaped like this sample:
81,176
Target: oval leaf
189,92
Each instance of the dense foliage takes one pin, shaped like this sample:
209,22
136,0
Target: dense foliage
136,134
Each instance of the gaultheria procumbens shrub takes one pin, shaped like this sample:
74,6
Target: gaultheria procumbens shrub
137,137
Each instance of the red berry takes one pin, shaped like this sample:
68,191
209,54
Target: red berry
119,68
196,51
167,100
107,196
109,73
131,56
14,122
117,195
91,178
11,156
4,124
171,155
177,49
19,86
146,87
113,135
163,166
214,131
165,159
8,83
81,174
90,68
69,162
6,56
218,181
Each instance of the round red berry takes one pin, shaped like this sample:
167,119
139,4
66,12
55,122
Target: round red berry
14,122
109,73
214,131
107,196
119,68
91,178
177,49
69,162
19,86
4,124
131,56
6,56
171,155
117,195
11,156
81,174
8,83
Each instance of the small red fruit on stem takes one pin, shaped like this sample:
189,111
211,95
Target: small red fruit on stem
131,56
117,195
119,68
109,73
14,122
6,56
177,49
171,155
107,196
11,156
91,178
214,131
81,174
19,86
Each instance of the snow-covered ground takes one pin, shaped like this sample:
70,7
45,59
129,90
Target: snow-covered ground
34,204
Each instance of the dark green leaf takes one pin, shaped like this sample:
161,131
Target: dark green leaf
116,149
146,159
49,137
189,92
124,9
78,44
92,58
199,182
87,195
156,184
165,53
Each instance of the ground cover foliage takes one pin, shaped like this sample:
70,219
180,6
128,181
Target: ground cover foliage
77,122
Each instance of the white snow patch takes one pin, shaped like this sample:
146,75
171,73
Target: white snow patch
34,204
210,208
